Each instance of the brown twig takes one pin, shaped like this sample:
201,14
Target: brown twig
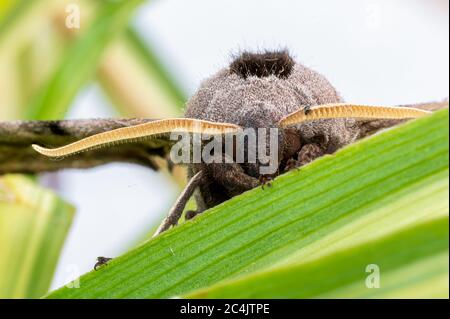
17,156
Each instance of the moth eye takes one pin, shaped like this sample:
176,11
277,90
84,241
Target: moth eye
318,139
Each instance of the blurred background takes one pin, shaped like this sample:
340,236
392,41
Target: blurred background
98,58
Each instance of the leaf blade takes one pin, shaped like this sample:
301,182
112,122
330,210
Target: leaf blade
343,274
33,226
259,229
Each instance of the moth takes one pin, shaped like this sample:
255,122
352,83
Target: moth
257,90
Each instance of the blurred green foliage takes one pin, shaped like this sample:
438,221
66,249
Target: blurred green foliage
33,226
45,63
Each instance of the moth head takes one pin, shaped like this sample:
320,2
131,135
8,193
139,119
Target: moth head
255,91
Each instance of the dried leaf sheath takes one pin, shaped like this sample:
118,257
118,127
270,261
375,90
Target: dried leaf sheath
352,111
137,132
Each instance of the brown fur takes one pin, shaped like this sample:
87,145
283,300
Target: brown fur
247,64
257,90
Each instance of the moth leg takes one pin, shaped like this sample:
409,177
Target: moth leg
291,164
201,207
233,177
177,209
198,196
191,214
265,180
307,154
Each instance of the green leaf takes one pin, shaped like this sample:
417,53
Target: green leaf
389,265
365,191
80,63
33,226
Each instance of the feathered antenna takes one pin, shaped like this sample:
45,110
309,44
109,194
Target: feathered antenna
344,110
132,133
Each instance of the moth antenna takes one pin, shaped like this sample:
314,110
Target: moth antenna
344,110
130,133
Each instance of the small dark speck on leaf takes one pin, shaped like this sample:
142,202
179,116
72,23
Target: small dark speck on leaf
101,261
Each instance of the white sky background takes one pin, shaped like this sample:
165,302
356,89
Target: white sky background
374,52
